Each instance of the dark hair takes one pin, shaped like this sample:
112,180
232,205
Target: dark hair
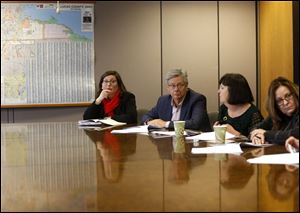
239,172
272,107
119,81
238,88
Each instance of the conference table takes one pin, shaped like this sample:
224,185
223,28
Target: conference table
59,166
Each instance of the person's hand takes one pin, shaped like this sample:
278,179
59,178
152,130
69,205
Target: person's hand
157,122
104,94
231,130
216,123
257,136
292,141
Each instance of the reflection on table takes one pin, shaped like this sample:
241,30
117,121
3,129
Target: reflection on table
59,167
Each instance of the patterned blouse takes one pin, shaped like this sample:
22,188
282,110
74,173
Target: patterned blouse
243,123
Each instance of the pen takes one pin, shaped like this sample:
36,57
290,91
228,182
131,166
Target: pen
257,137
291,148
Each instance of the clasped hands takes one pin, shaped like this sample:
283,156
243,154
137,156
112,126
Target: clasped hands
257,136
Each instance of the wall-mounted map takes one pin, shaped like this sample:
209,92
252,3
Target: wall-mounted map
47,54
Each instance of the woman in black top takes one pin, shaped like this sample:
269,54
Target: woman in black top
237,110
113,100
283,109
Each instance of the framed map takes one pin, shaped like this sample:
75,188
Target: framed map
47,53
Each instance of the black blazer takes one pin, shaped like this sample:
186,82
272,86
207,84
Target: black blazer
125,112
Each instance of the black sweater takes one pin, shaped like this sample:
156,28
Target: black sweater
125,112
290,127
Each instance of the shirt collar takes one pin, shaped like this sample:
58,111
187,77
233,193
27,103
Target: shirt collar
179,105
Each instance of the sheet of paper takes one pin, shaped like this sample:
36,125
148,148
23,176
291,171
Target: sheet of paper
111,122
169,133
223,148
208,136
250,144
134,129
98,122
284,158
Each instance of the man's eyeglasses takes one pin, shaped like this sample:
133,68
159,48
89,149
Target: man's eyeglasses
107,82
179,86
288,97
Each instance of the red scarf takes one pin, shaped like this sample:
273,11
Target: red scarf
110,105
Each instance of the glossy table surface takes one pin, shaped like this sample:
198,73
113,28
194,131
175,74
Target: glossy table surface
61,167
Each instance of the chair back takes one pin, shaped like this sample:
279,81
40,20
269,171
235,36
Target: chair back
213,117
140,113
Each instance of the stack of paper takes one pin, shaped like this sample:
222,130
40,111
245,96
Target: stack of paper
90,122
112,122
209,136
99,122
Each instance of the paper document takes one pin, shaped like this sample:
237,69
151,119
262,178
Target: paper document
223,148
99,122
169,133
250,144
135,129
112,122
90,122
284,158
95,128
209,136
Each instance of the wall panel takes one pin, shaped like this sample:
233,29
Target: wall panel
238,40
190,42
128,40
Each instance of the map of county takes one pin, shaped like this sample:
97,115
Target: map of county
46,57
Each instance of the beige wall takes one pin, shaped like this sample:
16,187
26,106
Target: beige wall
127,39
190,41
238,40
144,39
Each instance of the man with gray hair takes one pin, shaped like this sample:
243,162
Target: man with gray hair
181,103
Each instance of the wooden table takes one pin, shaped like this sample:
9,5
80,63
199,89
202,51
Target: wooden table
60,167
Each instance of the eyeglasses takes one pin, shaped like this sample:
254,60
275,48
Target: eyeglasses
179,86
288,97
107,82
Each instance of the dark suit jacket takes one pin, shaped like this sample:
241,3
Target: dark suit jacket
125,112
193,111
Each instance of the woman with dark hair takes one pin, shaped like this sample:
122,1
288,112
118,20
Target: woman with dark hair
237,110
113,100
283,119
235,172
